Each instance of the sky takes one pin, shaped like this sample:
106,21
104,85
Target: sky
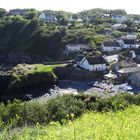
131,6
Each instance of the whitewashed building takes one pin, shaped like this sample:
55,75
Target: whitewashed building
92,63
75,48
110,46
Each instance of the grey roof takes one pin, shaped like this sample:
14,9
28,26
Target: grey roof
129,41
129,70
126,64
96,60
111,44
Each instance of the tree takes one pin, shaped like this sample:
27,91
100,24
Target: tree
2,12
62,17
31,14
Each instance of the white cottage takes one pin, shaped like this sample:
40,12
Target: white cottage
110,46
75,48
92,63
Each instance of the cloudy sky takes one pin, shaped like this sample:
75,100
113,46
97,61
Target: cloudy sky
131,6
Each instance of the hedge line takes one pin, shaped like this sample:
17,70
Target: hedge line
62,108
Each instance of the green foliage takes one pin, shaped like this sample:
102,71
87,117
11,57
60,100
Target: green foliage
32,37
98,39
117,33
120,125
2,12
60,109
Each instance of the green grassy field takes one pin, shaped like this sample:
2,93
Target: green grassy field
120,125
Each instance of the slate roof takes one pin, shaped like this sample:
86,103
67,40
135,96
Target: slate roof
80,46
126,64
129,41
111,44
129,70
96,60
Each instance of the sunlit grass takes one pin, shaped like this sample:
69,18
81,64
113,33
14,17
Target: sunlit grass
120,125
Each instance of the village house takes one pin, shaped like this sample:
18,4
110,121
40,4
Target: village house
128,43
119,26
76,48
119,18
111,58
123,64
15,12
91,63
129,36
110,46
48,17
126,72
105,16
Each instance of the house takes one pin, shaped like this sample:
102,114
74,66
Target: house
110,46
123,64
129,36
119,26
128,43
15,12
126,72
134,79
119,18
91,63
111,58
76,48
48,17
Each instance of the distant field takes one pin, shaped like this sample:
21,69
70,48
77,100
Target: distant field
120,125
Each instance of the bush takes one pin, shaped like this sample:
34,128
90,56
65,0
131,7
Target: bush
61,108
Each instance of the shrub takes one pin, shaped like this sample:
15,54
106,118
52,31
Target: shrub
61,108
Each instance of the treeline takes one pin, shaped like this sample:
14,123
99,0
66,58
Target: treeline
23,40
29,39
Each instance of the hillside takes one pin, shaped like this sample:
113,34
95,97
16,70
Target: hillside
122,125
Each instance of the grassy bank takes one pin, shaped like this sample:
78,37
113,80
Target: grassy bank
120,125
